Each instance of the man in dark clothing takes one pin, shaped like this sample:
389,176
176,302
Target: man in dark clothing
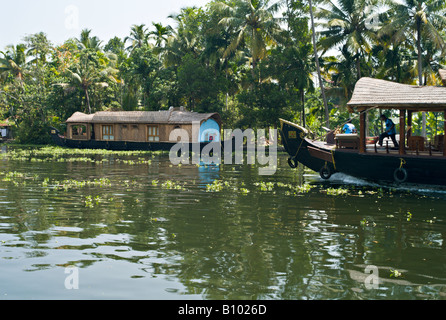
390,131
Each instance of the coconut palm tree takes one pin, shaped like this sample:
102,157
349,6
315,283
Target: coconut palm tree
185,39
316,58
342,70
253,24
87,73
138,37
412,20
13,62
160,34
345,23
85,41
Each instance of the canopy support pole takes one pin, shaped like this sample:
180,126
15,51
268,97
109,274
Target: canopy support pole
444,137
409,125
402,132
362,133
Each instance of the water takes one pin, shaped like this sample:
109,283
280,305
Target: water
144,229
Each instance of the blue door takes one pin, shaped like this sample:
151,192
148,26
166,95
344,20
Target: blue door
209,131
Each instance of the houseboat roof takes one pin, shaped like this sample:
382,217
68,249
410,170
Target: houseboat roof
159,117
379,93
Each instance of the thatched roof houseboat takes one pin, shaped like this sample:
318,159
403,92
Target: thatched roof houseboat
139,130
413,161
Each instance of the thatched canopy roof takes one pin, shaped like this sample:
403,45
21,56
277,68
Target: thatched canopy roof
384,94
156,117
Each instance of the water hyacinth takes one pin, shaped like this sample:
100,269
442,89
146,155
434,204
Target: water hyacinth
336,191
59,154
169,184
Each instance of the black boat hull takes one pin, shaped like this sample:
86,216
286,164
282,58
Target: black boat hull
376,167
59,140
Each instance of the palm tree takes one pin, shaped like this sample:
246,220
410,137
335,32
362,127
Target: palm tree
13,62
413,20
416,19
87,73
253,24
316,58
342,70
160,34
392,61
185,39
138,37
345,23
87,42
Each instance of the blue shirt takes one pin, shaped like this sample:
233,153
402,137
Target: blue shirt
349,128
389,124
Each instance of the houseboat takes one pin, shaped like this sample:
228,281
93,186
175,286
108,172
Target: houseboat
413,161
5,131
139,130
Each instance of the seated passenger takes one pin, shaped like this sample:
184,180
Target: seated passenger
349,127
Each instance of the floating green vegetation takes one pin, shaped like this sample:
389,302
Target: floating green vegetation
76,184
244,191
265,186
168,184
366,223
287,189
215,186
395,273
17,178
336,191
59,154
10,176
219,185
299,189
172,185
91,202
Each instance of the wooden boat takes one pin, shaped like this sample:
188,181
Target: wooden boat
358,155
139,130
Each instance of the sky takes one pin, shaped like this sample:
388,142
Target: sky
64,19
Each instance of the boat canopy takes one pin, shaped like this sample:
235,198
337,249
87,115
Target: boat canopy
377,93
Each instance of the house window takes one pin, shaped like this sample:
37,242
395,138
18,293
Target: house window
107,133
153,133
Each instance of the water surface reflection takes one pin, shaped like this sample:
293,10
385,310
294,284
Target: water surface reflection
156,231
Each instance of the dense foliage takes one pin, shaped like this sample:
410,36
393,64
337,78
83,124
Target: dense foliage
250,60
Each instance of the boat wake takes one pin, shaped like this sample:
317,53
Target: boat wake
344,179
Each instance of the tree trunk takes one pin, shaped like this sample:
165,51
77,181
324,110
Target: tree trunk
88,100
420,73
321,84
302,99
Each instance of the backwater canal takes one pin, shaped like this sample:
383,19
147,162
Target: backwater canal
130,225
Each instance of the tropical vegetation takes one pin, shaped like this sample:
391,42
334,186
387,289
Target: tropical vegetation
252,61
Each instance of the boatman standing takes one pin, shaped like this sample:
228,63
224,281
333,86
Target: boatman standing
390,131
